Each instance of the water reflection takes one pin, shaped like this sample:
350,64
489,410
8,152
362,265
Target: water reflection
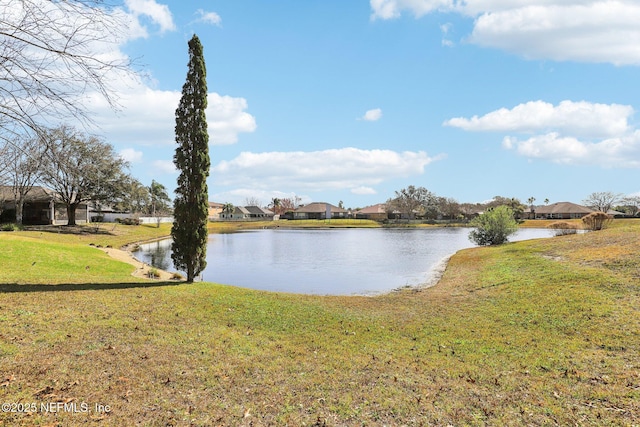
157,254
337,262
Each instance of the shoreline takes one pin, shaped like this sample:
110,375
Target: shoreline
141,269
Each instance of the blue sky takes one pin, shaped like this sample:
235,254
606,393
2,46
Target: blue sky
351,100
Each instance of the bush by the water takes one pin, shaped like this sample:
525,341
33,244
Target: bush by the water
493,227
563,228
597,221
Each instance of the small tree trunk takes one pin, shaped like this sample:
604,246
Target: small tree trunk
19,211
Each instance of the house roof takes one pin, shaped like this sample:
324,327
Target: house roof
563,208
257,210
216,205
240,210
380,208
36,194
319,207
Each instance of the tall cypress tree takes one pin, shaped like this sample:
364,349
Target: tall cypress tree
189,230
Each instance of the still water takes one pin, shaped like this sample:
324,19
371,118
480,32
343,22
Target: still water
333,262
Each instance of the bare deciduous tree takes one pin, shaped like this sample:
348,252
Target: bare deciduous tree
602,201
632,204
23,161
413,201
252,201
53,55
82,168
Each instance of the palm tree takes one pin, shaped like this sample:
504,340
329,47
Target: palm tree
228,208
530,200
275,203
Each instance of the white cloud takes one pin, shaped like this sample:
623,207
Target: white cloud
612,152
389,9
345,168
578,118
602,31
131,155
165,166
446,29
159,14
226,118
372,115
209,17
577,30
148,116
569,133
363,191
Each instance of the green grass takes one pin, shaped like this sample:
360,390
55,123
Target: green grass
544,332
102,234
28,260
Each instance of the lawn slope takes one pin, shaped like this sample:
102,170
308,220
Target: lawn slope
544,332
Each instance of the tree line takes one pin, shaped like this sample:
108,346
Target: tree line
80,169
420,203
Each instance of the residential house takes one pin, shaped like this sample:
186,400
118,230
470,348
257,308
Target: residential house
375,212
238,213
247,213
319,210
215,210
561,210
258,213
41,207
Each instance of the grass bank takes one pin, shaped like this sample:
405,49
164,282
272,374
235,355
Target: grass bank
545,332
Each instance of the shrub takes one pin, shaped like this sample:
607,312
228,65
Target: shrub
128,221
153,273
596,221
563,228
493,227
10,227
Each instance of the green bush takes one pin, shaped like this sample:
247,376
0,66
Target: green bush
10,227
493,227
128,221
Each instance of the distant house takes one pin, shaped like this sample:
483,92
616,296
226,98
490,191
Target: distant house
561,210
247,213
238,213
258,213
214,211
41,207
319,210
375,212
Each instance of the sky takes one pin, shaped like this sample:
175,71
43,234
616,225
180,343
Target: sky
333,100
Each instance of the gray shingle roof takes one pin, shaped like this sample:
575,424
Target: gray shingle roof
319,207
563,208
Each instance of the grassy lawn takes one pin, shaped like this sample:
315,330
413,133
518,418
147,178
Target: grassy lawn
545,332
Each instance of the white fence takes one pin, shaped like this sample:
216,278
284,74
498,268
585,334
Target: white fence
155,220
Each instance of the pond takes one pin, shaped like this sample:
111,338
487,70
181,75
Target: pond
327,261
